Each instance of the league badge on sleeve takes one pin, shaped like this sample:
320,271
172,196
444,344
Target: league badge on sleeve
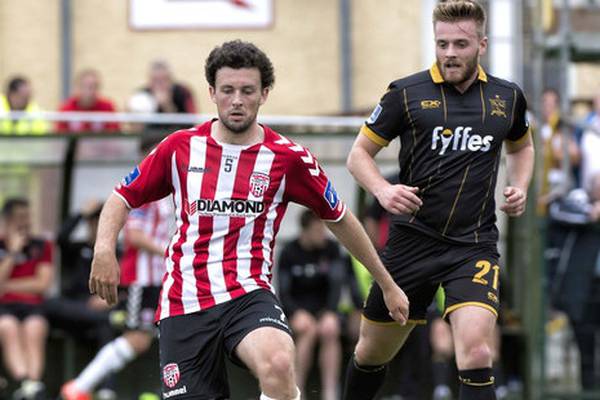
375,114
331,195
128,180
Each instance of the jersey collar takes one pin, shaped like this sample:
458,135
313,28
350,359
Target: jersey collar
437,77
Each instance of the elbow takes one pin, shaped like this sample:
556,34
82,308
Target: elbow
350,162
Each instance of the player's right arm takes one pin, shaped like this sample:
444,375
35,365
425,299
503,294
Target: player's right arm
396,199
351,234
149,181
105,274
384,124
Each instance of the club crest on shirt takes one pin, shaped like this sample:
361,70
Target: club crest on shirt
331,195
498,106
259,183
375,114
171,375
132,176
430,104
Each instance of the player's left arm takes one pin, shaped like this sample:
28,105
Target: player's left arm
519,161
519,158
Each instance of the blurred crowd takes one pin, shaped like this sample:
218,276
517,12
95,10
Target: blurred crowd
161,94
321,288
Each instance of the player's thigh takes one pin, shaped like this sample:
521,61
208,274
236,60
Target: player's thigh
256,332
379,342
192,357
473,281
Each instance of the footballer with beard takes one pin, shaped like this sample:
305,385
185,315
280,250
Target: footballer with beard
452,121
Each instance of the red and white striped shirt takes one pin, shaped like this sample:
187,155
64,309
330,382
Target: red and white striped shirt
229,202
142,267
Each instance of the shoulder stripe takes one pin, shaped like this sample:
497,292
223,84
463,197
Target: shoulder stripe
375,138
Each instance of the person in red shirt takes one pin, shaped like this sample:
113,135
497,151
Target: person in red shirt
230,180
87,99
25,274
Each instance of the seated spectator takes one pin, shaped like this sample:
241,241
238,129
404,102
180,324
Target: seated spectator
168,96
76,311
18,98
25,274
311,272
87,99
553,131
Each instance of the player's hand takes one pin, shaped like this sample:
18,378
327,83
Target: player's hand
15,241
104,276
515,201
399,199
397,303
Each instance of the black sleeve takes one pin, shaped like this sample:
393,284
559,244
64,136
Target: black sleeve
388,119
519,122
284,267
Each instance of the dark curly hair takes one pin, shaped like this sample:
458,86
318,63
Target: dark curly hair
237,54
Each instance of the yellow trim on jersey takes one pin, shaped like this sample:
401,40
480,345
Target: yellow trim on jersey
477,384
410,321
469,303
375,138
522,139
437,77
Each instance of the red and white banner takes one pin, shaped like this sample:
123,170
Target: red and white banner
200,14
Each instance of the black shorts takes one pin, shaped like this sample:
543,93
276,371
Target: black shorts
139,304
193,346
419,264
21,311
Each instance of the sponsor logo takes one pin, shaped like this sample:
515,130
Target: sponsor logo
128,180
375,114
331,195
227,208
259,183
171,375
429,104
269,320
461,139
498,106
200,170
491,296
175,392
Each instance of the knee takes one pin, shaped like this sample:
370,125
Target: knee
304,327
279,364
478,356
9,325
139,341
367,353
329,330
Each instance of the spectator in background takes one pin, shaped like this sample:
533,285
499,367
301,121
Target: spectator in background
82,315
17,97
147,232
590,147
311,273
552,132
25,274
168,96
87,99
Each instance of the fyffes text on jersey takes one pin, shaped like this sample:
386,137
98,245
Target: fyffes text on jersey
461,139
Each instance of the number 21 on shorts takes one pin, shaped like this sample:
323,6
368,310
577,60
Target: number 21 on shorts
480,277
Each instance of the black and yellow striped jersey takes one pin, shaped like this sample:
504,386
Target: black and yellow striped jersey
450,146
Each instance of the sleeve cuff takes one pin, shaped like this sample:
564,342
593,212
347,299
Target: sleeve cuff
374,137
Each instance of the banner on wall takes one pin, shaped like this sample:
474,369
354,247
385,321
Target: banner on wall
200,14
